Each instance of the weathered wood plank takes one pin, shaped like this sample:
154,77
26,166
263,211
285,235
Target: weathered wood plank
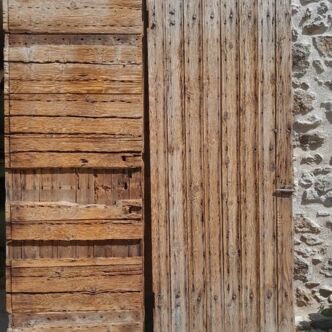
117,262
90,279
97,327
75,125
58,302
84,328
94,106
266,155
76,230
159,166
38,211
74,143
28,160
27,151
175,112
212,156
196,227
74,78
84,16
248,192
230,165
63,320
284,169
93,49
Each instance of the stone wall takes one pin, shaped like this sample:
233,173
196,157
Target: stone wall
312,86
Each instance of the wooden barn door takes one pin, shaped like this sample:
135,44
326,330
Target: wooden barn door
221,172
74,144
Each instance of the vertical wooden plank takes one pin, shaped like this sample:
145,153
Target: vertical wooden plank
174,51
230,164
159,165
248,152
102,194
266,155
99,249
9,249
135,191
193,29
284,165
64,188
16,195
212,161
30,192
121,192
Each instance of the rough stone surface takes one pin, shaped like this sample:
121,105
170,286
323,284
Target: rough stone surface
312,86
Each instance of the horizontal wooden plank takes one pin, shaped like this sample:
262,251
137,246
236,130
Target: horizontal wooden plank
64,319
117,262
26,160
83,16
95,49
89,279
76,230
125,327
53,151
103,106
77,143
38,211
74,78
75,125
58,302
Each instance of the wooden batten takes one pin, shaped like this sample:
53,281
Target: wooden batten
103,321
33,211
94,49
57,302
76,230
87,16
56,276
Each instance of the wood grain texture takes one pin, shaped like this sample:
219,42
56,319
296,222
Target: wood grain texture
94,106
74,78
215,71
74,105
105,321
230,165
94,49
84,16
76,230
122,327
35,211
266,154
76,301
159,166
284,175
73,278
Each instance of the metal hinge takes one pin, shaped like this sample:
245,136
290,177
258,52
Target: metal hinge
285,191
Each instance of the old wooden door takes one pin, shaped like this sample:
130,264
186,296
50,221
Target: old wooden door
74,143
220,111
